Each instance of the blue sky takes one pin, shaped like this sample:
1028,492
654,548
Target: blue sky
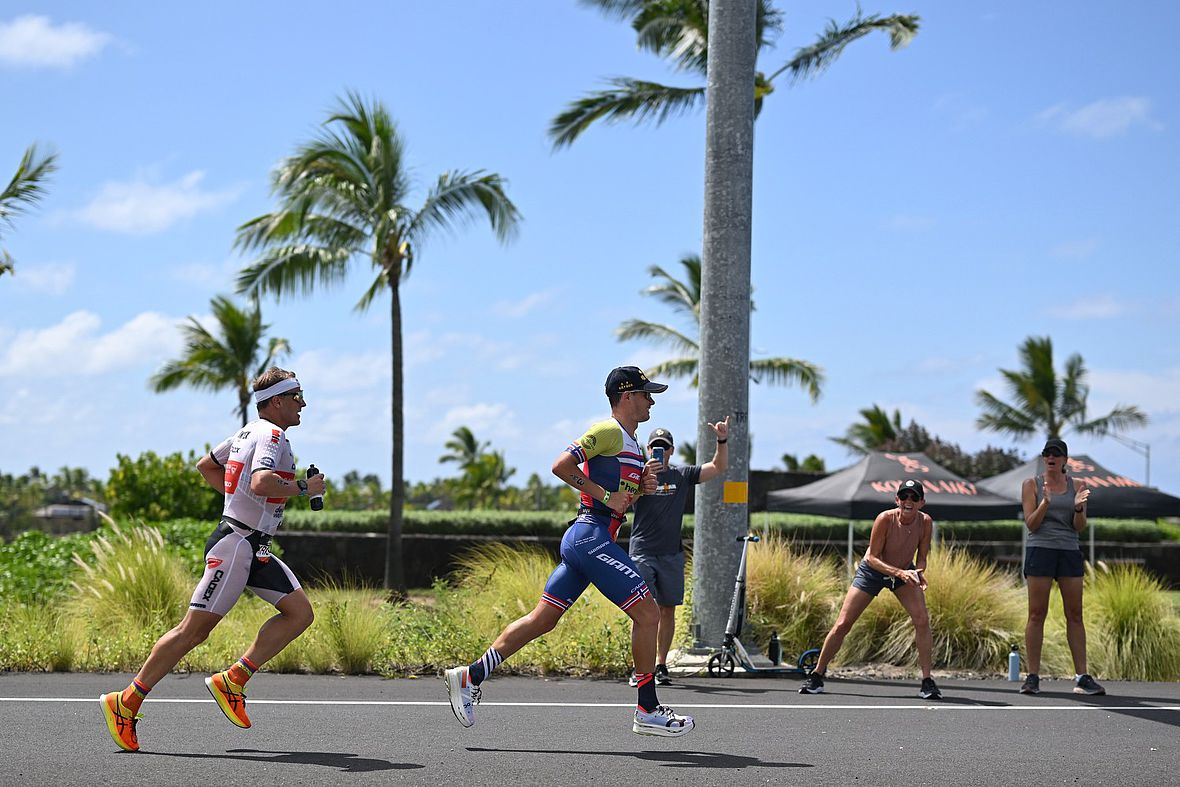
918,213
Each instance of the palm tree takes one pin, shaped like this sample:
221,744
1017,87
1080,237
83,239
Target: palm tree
875,433
1041,401
678,30
26,189
464,448
229,360
482,483
343,197
685,299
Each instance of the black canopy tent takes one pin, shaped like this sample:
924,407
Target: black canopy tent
1111,494
868,487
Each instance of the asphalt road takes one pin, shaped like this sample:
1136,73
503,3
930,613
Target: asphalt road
364,730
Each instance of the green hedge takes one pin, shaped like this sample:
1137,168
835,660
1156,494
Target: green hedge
800,526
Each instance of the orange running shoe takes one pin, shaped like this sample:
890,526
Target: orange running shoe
230,697
120,721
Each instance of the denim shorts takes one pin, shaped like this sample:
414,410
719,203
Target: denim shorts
872,581
1046,562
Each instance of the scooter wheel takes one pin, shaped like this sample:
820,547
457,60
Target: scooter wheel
721,665
808,659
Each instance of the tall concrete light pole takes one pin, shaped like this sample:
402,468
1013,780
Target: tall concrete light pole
723,515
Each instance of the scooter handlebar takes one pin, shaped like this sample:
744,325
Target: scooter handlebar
755,539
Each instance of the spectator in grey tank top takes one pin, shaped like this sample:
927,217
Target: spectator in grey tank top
1054,513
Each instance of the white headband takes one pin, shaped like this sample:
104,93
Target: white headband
282,386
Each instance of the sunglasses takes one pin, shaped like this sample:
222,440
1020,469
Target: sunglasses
1052,452
296,395
909,495
644,394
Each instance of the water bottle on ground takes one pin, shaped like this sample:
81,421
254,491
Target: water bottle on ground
1014,664
774,650
317,502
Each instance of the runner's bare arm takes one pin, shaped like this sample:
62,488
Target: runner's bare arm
268,483
565,467
213,473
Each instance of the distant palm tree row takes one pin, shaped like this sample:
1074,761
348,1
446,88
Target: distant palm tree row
1042,402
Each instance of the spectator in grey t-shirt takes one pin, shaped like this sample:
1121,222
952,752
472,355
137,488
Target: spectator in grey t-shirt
655,531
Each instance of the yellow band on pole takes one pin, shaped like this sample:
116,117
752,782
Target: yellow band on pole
735,492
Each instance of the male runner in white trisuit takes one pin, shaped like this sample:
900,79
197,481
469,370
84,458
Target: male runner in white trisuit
256,470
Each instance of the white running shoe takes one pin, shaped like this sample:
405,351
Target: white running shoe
464,696
662,721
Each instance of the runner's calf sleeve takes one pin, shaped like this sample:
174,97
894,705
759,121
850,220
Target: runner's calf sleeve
479,671
648,701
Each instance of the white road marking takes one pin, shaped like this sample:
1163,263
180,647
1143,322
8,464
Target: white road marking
679,705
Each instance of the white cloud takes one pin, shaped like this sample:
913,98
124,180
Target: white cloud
207,275
520,308
1075,249
489,421
75,347
35,41
49,278
1153,392
1098,307
324,370
1102,119
138,207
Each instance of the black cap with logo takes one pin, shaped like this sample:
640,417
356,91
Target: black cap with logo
631,378
661,435
912,485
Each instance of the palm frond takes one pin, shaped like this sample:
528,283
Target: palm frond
852,446
1120,419
299,267
677,369
1003,418
458,198
789,371
629,99
27,186
682,296
657,332
812,60
378,287
677,30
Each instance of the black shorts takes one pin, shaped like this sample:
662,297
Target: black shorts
1054,563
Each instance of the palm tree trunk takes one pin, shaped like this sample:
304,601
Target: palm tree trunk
244,405
395,577
725,308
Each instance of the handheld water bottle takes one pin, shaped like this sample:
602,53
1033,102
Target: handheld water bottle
317,502
1014,664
